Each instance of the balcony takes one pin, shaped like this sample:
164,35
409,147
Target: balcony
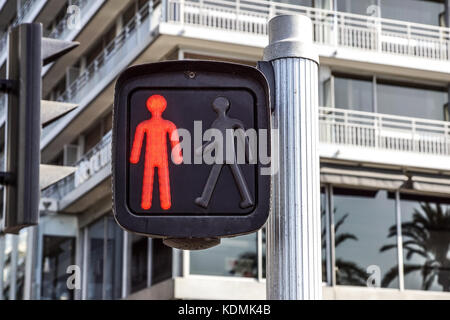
387,139
88,182
64,31
27,13
332,30
93,89
344,135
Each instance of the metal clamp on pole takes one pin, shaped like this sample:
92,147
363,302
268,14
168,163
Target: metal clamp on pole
293,242
7,86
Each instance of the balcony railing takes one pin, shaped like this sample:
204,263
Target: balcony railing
21,15
330,27
91,163
384,132
111,55
61,30
337,126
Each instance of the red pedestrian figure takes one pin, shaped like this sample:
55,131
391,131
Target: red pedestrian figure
156,129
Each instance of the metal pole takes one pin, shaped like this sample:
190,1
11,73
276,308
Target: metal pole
294,244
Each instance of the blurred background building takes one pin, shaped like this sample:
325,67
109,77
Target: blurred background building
384,147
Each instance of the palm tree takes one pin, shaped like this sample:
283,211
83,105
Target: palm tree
427,235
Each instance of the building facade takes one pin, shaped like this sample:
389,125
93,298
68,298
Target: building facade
384,88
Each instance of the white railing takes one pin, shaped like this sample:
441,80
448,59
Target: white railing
74,92
330,27
62,28
92,162
337,126
382,131
24,9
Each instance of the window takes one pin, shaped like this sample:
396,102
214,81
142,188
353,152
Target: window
233,257
96,235
355,6
139,262
353,93
161,261
418,11
324,233
362,227
58,254
411,101
426,242
104,264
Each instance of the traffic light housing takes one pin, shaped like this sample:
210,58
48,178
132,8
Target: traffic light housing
26,114
191,204
23,128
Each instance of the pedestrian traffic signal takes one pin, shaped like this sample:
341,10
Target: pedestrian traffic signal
191,151
27,52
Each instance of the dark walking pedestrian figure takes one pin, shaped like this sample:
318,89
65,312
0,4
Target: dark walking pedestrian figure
221,106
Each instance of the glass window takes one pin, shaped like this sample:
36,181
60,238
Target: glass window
353,94
139,262
363,222
114,249
306,3
233,257
355,6
418,11
58,254
264,251
161,261
96,235
410,101
324,233
426,242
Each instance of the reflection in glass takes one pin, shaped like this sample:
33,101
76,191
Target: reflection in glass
411,101
58,254
426,243
96,234
233,257
362,220
353,94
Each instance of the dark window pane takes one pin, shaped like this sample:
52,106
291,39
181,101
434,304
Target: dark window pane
426,243
355,6
233,257
96,234
410,101
306,3
114,249
58,254
324,233
264,251
362,223
353,94
417,11
139,262
161,261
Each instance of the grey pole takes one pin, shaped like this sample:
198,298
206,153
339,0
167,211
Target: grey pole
293,231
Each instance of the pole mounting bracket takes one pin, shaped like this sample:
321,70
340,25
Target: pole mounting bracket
7,178
7,86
